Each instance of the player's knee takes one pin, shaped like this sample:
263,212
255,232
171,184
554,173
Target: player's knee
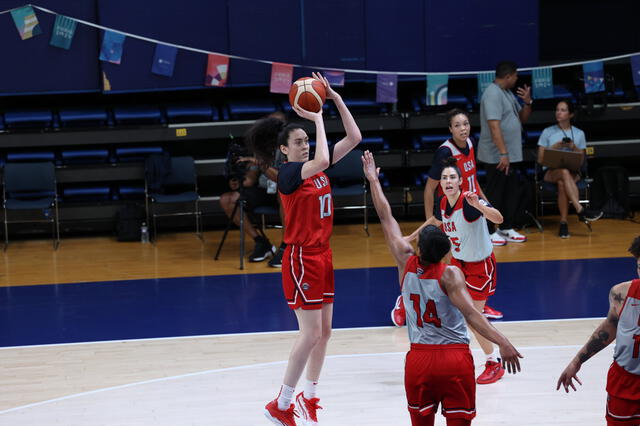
312,336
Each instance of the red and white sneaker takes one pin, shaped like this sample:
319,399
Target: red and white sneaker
491,313
512,236
308,409
497,239
398,314
279,417
493,371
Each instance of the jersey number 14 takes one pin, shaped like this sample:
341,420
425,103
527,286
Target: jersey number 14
325,205
430,314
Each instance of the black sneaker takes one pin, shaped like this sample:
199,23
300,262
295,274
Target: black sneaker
564,230
262,250
276,260
590,215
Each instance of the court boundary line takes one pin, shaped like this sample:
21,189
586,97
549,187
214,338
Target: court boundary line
258,333
227,369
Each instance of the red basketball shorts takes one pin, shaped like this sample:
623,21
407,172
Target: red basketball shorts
623,396
441,374
480,276
307,277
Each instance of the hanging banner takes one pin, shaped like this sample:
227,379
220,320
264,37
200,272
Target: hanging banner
387,88
164,60
542,83
63,31
484,80
217,70
437,89
593,77
335,78
281,77
635,68
112,45
26,22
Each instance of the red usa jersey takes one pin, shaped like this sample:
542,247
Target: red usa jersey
470,241
466,164
308,213
627,352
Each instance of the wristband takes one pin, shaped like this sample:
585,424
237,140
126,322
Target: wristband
504,154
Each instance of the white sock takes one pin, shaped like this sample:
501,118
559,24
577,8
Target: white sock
285,397
494,356
310,389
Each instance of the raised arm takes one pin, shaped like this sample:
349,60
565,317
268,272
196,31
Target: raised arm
453,281
400,249
353,137
600,339
490,213
320,161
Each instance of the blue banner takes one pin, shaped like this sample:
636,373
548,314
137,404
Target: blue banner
335,78
112,45
484,80
593,77
63,31
164,60
635,68
26,22
387,88
542,83
437,89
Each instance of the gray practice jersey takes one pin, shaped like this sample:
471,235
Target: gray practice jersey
431,317
627,352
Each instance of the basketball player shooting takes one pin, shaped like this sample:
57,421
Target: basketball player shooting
439,366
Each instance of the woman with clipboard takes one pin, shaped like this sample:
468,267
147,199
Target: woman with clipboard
565,137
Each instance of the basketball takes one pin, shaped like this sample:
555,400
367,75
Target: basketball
307,93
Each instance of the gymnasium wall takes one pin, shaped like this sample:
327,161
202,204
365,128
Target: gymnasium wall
408,35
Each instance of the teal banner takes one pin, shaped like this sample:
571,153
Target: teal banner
437,89
542,83
26,22
484,80
63,31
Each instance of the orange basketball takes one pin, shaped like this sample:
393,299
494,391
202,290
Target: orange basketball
307,93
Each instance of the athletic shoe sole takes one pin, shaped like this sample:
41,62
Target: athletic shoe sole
513,240
489,316
267,414
593,219
499,243
267,255
492,381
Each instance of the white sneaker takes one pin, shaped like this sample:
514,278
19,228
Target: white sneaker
512,236
497,239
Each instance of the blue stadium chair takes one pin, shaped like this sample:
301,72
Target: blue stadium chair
365,106
533,136
138,115
245,110
191,113
25,157
77,117
82,193
374,143
84,156
136,154
129,192
429,141
347,180
30,190
37,118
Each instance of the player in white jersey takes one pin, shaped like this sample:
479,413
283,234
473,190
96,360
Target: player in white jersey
623,325
439,366
462,217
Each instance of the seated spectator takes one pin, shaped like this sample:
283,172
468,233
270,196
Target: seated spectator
564,136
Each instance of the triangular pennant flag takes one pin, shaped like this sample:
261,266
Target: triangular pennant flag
387,88
26,22
217,70
281,77
635,68
437,89
335,78
593,77
164,60
63,31
484,80
112,45
542,83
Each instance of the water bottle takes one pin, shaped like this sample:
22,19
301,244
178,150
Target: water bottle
144,233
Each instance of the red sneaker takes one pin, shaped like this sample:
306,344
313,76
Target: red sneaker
398,314
308,408
493,371
491,313
279,417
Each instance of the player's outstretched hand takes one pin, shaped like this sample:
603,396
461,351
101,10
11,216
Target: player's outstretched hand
510,358
472,199
567,376
331,94
371,172
313,116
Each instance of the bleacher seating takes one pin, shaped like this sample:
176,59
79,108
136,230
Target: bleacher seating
135,153
430,141
245,110
191,113
81,193
84,156
23,157
124,115
36,118
90,116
